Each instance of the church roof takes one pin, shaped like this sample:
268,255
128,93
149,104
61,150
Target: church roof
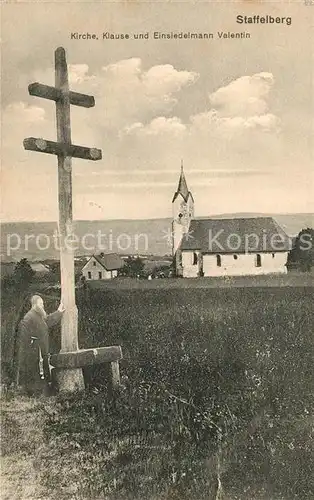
245,235
109,261
182,187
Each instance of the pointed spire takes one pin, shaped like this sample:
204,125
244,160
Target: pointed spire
182,186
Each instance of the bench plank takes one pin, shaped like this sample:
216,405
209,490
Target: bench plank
86,357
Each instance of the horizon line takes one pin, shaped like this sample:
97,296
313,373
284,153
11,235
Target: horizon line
17,221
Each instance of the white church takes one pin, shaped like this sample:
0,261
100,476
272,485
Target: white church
224,247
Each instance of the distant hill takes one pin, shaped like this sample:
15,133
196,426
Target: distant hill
35,240
290,223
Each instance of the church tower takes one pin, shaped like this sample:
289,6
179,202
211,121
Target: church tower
182,213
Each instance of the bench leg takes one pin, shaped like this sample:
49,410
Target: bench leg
115,374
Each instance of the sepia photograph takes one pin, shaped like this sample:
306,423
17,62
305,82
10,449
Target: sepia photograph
157,250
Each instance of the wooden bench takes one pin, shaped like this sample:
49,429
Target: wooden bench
89,357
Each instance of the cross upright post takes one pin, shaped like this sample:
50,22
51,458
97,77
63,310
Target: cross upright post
69,327
70,377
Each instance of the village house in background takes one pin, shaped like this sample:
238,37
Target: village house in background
102,267
217,247
40,269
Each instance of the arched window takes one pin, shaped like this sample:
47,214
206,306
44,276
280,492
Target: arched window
218,259
258,261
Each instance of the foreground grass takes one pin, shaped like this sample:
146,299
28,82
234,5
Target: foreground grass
21,442
219,392
87,447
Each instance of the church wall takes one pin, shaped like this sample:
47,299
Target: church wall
191,270
245,264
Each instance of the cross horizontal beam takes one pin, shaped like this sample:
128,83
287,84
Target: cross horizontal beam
86,357
54,94
56,148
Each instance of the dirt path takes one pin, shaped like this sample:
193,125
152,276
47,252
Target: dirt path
21,439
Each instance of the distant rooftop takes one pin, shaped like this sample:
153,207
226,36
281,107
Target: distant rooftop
110,261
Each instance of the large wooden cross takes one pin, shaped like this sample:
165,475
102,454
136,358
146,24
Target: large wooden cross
70,360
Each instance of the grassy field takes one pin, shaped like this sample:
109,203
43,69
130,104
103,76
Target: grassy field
292,279
219,395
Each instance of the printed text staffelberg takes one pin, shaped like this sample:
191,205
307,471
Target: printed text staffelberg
256,19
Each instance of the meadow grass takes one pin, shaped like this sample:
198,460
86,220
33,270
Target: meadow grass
218,384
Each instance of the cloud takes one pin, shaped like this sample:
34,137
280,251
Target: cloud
267,122
126,67
166,80
211,122
18,112
131,185
246,96
233,131
160,81
173,172
19,120
137,121
78,73
126,93
157,126
239,108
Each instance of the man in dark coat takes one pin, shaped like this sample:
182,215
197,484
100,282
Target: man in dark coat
33,370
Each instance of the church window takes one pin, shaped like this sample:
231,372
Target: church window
195,258
89,275
218,259
258,261
100,275
94,263
235,257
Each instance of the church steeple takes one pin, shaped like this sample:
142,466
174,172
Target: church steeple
182,212
182,186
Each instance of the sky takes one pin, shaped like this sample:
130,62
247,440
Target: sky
237,112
